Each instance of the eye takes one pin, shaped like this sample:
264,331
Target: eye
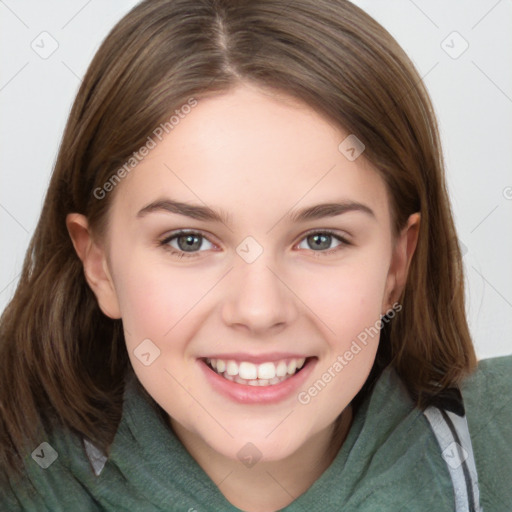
185,243
321,240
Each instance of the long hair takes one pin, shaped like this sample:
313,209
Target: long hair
62,360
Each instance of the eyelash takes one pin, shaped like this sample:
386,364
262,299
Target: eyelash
183,254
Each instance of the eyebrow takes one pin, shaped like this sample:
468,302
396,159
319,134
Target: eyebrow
206,213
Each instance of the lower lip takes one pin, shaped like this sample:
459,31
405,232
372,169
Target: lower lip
245,394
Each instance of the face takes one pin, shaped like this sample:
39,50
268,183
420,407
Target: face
260,282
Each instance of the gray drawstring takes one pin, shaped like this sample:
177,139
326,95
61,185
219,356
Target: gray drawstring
452,434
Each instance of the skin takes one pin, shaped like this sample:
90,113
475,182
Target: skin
256,155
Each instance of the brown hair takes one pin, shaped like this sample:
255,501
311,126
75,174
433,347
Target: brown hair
63,360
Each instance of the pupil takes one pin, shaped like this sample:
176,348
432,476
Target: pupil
319,239
191,242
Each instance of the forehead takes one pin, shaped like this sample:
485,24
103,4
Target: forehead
252,153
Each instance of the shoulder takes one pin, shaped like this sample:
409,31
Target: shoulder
488,402
487,393
52,478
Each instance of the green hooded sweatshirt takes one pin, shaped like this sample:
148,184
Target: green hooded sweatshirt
391,460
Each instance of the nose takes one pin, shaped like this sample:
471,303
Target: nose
258,299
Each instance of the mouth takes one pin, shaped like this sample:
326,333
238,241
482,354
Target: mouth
268,382
268,373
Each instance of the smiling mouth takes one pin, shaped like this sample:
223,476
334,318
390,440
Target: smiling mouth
250,374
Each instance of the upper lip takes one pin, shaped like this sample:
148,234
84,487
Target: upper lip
257,359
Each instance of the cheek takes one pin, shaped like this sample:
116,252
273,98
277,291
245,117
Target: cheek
153,298
157,304
348,305
347,297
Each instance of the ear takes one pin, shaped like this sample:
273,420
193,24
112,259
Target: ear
94,260
403,251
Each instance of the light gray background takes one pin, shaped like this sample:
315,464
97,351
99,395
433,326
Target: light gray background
471,91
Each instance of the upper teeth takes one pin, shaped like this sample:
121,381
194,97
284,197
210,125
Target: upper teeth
251,371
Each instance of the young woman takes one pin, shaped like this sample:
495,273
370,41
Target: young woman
245,289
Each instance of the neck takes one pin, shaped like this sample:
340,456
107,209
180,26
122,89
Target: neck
271,485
